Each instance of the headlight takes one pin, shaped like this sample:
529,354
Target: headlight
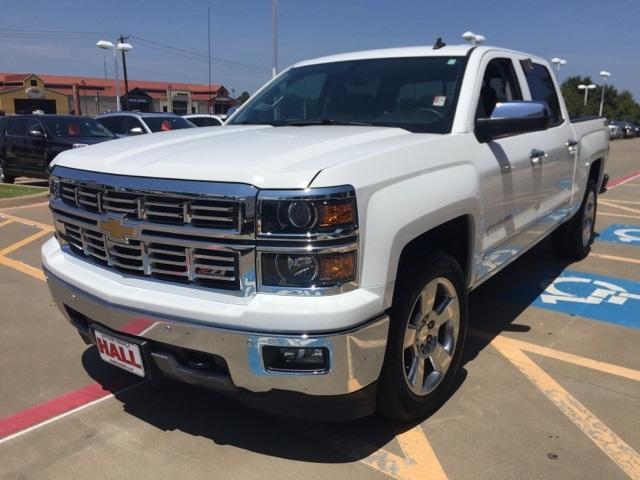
54,186
308,239
308,212
306,271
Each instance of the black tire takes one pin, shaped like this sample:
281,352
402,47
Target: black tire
573,239
4,178
396,397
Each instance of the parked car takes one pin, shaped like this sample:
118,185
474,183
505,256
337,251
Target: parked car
124,124
615,131
204,120
325,271
636,128
628,129
28,143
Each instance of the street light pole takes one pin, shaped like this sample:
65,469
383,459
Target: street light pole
604,74
123,47
274,39
558,62
586,89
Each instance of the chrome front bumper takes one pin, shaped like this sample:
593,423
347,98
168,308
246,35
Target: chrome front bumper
356,355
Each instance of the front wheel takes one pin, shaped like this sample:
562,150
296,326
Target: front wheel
573,239
426,336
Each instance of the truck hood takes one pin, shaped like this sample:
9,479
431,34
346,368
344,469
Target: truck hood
264,156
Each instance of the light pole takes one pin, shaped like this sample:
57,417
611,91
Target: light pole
558,62
118,47
604,74
274,38
586,89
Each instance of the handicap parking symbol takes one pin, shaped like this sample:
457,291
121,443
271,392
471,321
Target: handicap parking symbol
598,297
625,234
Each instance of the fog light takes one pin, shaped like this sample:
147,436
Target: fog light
295,359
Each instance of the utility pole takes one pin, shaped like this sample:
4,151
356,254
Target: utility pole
274,39
209,109
124,65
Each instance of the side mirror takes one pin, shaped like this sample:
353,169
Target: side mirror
36,132
136,131
510,118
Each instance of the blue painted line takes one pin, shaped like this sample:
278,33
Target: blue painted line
598,297
621,234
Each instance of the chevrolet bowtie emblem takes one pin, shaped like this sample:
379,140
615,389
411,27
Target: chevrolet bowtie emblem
115,229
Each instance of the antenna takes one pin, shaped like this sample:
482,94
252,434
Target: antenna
439,44
473,38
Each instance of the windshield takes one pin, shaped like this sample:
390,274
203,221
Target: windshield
164,124
417,94
69,127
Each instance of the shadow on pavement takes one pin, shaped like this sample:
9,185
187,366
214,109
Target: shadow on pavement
195,411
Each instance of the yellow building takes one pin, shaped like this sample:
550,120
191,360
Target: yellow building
24,93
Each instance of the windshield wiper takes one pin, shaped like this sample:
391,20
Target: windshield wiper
325,121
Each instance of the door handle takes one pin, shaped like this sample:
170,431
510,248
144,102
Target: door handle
536,155
572,142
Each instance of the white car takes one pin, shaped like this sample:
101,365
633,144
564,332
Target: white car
204,120
324,271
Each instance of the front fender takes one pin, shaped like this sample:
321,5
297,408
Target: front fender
402,211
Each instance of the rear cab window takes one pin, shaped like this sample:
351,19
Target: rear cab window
543,89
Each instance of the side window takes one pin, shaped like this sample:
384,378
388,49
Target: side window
542,88
499,84
18,126
114,124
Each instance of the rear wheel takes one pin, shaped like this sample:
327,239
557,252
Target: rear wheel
427,332
573,239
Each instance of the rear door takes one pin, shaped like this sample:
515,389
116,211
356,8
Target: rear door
511,180
556,142
16,145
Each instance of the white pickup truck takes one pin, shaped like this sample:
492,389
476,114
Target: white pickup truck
314,256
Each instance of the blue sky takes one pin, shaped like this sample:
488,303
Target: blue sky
591,35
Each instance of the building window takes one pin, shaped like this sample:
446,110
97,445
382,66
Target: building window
193,109
34,83
165,109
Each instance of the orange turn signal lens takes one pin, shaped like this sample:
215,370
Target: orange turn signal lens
336,214
337,268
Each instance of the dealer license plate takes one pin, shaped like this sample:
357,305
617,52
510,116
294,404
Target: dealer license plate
120,353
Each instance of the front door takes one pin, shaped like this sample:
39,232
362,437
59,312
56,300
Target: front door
511,178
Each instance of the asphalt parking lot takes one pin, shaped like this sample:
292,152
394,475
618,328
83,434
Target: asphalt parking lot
550,386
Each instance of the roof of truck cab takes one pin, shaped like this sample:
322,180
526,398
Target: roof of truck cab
420,51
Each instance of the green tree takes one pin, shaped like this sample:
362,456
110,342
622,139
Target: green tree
244,96
618,106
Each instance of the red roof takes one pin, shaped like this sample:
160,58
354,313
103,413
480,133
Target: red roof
64,84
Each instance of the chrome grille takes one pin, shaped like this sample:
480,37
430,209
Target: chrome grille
164,208
192,232
216,268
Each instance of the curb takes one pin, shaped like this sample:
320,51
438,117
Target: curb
24,200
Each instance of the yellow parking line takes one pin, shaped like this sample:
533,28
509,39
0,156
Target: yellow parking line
6,222
23,242
621,207
614,257
621,215
22,267
26,221
610,443
586,362
615,200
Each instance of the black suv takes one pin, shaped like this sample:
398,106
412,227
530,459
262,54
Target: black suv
28,143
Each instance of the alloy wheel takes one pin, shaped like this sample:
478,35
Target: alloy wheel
430,336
